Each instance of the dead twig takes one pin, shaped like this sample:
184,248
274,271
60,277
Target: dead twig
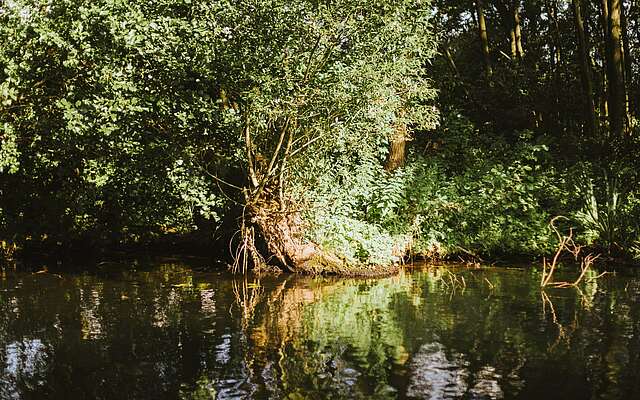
566,244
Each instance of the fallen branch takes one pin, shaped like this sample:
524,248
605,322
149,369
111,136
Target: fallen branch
566,244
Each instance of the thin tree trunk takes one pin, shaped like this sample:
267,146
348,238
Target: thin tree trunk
604,102
616,70
451,61
456,71
512,41
556,54
518,29
628,78
552,9
484,39
607,59
585,69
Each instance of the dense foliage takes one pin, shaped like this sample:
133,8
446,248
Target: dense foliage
561,74
105,117
306,123
124,118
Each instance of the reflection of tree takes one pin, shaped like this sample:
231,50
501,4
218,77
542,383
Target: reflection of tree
169,332
131,334
564,330
355,338
319,335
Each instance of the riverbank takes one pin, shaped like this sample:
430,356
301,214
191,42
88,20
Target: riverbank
216,256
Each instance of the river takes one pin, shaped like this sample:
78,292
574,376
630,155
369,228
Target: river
165,329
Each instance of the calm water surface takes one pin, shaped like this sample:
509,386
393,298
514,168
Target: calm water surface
166,331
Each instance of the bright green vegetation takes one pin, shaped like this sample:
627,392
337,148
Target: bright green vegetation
320,136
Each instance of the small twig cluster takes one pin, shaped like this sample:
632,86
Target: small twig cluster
566,244
451,280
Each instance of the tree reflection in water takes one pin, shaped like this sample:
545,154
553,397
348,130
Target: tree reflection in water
169,332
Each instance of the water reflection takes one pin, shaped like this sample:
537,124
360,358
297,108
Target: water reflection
168,332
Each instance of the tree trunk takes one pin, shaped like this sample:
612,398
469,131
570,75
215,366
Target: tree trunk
512,42
517,30
585,69
484,39
552,9
555,56
286,246
615,69
607,61
397,150
628,77
454,68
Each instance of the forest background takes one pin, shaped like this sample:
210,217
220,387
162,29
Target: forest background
320,136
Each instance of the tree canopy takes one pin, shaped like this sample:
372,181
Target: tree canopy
333,136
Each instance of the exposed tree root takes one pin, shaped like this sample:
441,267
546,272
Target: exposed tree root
273,238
